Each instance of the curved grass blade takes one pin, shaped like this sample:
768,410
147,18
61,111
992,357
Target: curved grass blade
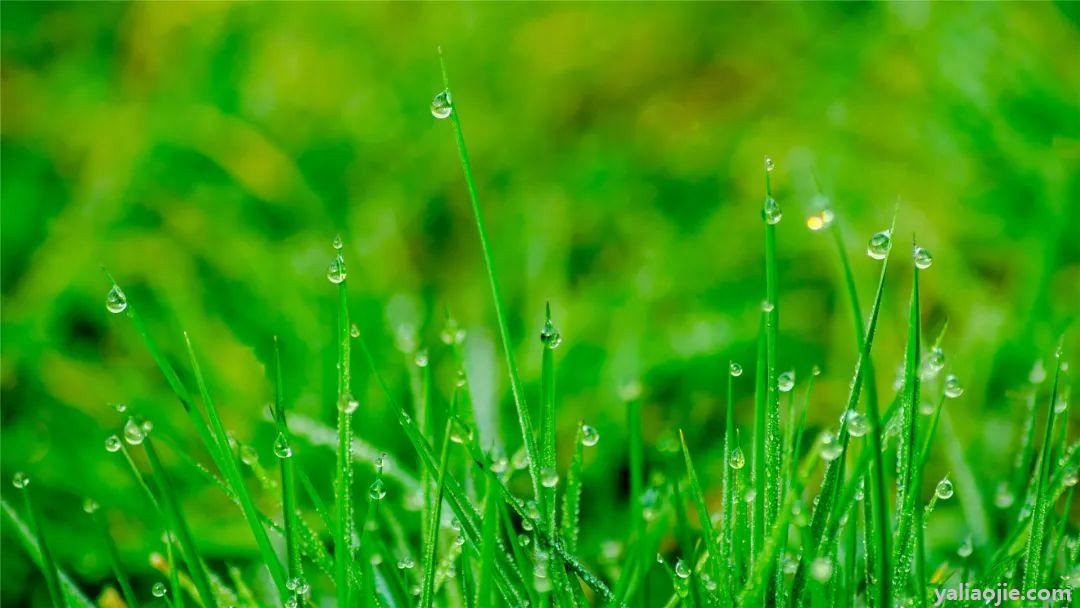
711,543
49,570
427,588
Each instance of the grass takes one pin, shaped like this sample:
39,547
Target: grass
758,536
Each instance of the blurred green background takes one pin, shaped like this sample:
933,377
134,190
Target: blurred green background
207,154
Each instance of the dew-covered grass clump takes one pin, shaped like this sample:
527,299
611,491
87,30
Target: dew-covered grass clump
749,500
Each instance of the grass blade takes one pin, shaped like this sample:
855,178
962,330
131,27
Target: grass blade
74,596
114,561
178,525
711,544
49,570
427,588
524,420
772,320
343,529
571,510
1034,554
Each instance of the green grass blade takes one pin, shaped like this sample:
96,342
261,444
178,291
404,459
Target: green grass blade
727,481
431,543
547,423
524,420
232,473
284,451
1034,553
772,320
343,522
178,525
571,510
114,561
74,596
757,536
485,595
49,570
636,449
711,543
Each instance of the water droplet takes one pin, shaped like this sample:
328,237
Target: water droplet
1038,373
965,549
1070,478
90,506
159,589
524,540
377,491
461,380
550,335
451,333
120,407
589,436
944,489
935,361
405,563
737,459
442,105
952,387
499,465
354,331
282,449
460,433
115,300
133,432
831,447
857,424
820,220
248,455
767,306
421,358
335,272
860,493
1003,498
113,443
769,164
20,480
821,569
750,495
659,558
922,258
520,459
630,390
682,570
348,404
770,211
785,381
734,369
878,246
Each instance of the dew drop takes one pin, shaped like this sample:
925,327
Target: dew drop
681,569
935,361
335,272
769,164
520,459
159,589
952,387
1070,478
133,432
922,258
120,407
965,549
589,436
831,448
550,335
115,300
452,333
421,358
405,563
354,331
821,569
767,306
282,449
20,480
786,381
113,444
750,495
1061,405
737,459
770,211
857,425
90,506
442,105
1038,373
377,491
734,369
944,489
348,404
878,246
524,540
1003,498
499,465
248,455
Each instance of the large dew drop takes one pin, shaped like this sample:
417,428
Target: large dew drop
442,105
878,246
785,381
771,212
20,480
734,369
681,569
922,258
133,432
113,443
944,489
952,387
737,460
550,335
377,491
857,424
335,272
831,448
549,477
282,449
116,301
159,589
589,436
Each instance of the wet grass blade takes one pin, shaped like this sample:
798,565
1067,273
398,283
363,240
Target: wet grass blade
74,596
485,595
343,529
283,450
571,509
524,420
1033,557
772,320
47,563
727,522
757,517
636,450
178,526
712,545
431,543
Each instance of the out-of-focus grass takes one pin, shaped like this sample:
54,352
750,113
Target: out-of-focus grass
207,154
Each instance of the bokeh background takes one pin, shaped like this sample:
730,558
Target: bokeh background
207,153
